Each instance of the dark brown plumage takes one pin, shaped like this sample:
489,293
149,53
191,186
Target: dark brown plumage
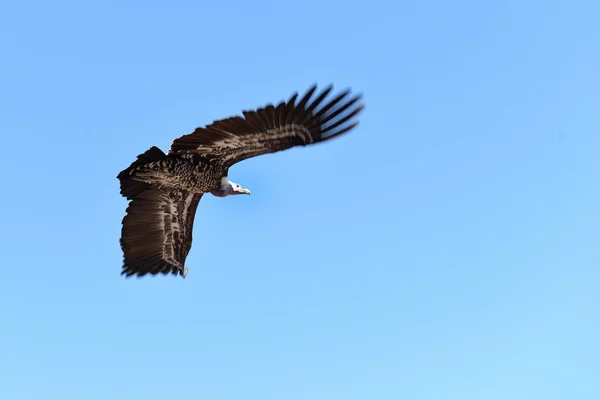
165,189
272,128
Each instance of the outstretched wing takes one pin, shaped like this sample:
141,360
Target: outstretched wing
157,232
273,128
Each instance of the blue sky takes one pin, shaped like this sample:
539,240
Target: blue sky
446,249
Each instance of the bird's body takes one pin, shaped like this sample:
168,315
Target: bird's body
185,172
165,189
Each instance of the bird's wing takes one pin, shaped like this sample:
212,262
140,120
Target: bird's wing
157,231
273,128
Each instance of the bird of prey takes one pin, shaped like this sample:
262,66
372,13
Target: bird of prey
164,189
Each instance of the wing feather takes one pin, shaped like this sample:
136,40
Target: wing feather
156,236
274,128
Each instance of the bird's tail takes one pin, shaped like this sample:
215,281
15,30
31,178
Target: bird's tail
131,187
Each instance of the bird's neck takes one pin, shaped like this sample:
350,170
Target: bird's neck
219,192
223,190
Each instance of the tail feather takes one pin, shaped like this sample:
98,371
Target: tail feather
130,188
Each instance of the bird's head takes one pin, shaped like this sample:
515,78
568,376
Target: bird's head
237,189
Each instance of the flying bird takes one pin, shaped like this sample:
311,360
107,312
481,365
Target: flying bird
164,190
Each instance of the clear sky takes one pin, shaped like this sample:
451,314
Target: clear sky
449,248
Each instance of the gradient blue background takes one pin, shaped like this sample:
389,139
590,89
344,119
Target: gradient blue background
448,249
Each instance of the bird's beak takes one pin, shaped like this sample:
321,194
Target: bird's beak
245,191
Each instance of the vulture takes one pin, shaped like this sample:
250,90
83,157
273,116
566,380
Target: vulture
164,190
